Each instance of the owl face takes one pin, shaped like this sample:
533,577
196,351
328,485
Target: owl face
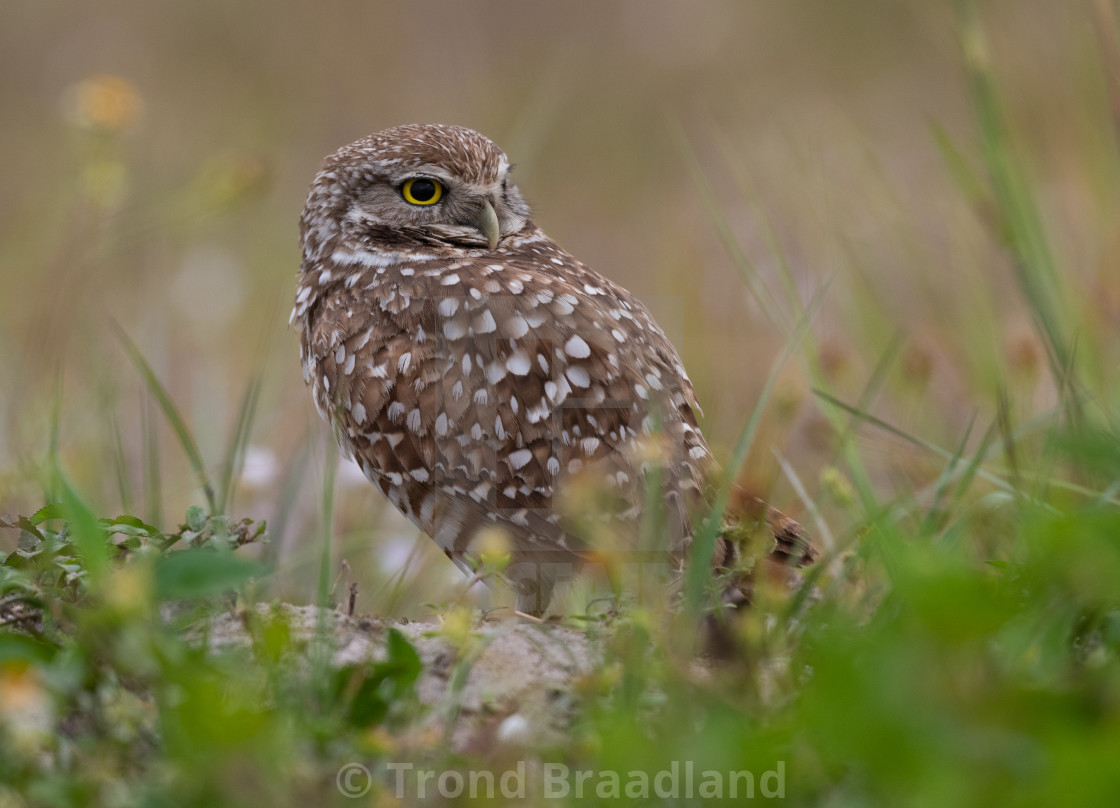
416,185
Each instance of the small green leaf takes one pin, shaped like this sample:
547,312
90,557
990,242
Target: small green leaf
29,526
367,693
200,573
17,560
136,523
196,518
48,512
28,540
403,660
24,648
12,579
112,527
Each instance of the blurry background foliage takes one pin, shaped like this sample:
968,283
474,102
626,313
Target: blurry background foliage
935,182
723,161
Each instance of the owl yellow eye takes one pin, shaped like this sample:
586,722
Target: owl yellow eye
421,191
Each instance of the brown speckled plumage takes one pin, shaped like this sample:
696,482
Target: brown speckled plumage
472,383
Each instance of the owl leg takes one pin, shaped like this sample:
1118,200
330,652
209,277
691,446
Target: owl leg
534,581
533,595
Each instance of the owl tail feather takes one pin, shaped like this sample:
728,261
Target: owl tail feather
754,529
758,543
791,547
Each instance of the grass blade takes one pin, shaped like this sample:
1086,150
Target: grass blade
153,503
120,463
913,439
326,528
171,413
235,451
937,514
1019,223
823,530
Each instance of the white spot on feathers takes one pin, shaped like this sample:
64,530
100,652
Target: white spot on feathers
495,372
516,327
453,329
484,322
576,348
578,376
539,412
519,363
562,307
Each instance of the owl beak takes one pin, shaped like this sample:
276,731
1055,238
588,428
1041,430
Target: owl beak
489,225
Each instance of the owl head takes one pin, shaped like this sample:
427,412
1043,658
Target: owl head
418,186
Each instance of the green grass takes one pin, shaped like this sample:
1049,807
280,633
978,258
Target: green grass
958,643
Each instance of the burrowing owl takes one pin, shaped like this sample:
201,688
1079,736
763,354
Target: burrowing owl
478,373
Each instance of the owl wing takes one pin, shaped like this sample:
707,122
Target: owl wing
558,373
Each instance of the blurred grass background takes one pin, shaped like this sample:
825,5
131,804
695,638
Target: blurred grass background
156,156
935,183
